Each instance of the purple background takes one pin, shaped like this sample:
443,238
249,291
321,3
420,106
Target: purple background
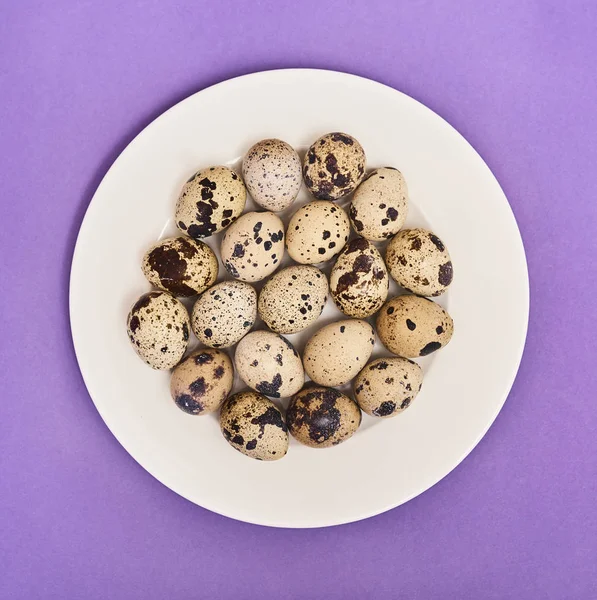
79,518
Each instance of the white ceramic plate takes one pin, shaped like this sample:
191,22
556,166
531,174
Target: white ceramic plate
388,461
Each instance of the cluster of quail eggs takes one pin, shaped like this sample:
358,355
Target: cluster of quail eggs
291,299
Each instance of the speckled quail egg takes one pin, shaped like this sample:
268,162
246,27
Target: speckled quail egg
334,165
413,326
293,298
268,363
202,381
359,279
181,266
252,248
224,314
253,425
158,328
380,204
321,417
317,232
338,351
272,174
209,201
387,386
419,262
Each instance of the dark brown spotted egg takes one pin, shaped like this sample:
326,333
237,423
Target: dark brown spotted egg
419,262
252,248
210,200
380,204
317,232
158,327
387,386
272,174
293,298
338,351
321,417
359,279
334,165
269,364
181,266
224,314
254,426
413,326
202,381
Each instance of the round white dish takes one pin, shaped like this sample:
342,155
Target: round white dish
387,462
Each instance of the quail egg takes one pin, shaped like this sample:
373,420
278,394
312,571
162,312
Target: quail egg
253,247
209,201
338,351
269,364
321,417
202,381
181,266
359,279
158,328
413,326
254,426
334,165
272,174
419,262
387,386
293,298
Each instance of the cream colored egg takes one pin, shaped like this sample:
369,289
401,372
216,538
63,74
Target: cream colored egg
359,279
253,247
412,326
338,351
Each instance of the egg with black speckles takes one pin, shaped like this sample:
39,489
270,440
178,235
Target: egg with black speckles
202,381
380,204
225,313
158,327
253,425
293,298
387,386
317,232
180,265
210,201
272,174
253,246
419,262
321,417
359,279
333,166
338,351
412,326
269,364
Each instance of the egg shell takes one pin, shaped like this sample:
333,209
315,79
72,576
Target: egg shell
202,381
419,262
180,265
387,386
380,204
210,201
359,279
158,327
412,326
272,174
321,417
253,247
224,314
317,232
293,298
254,426
269,364
338,351
333,166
